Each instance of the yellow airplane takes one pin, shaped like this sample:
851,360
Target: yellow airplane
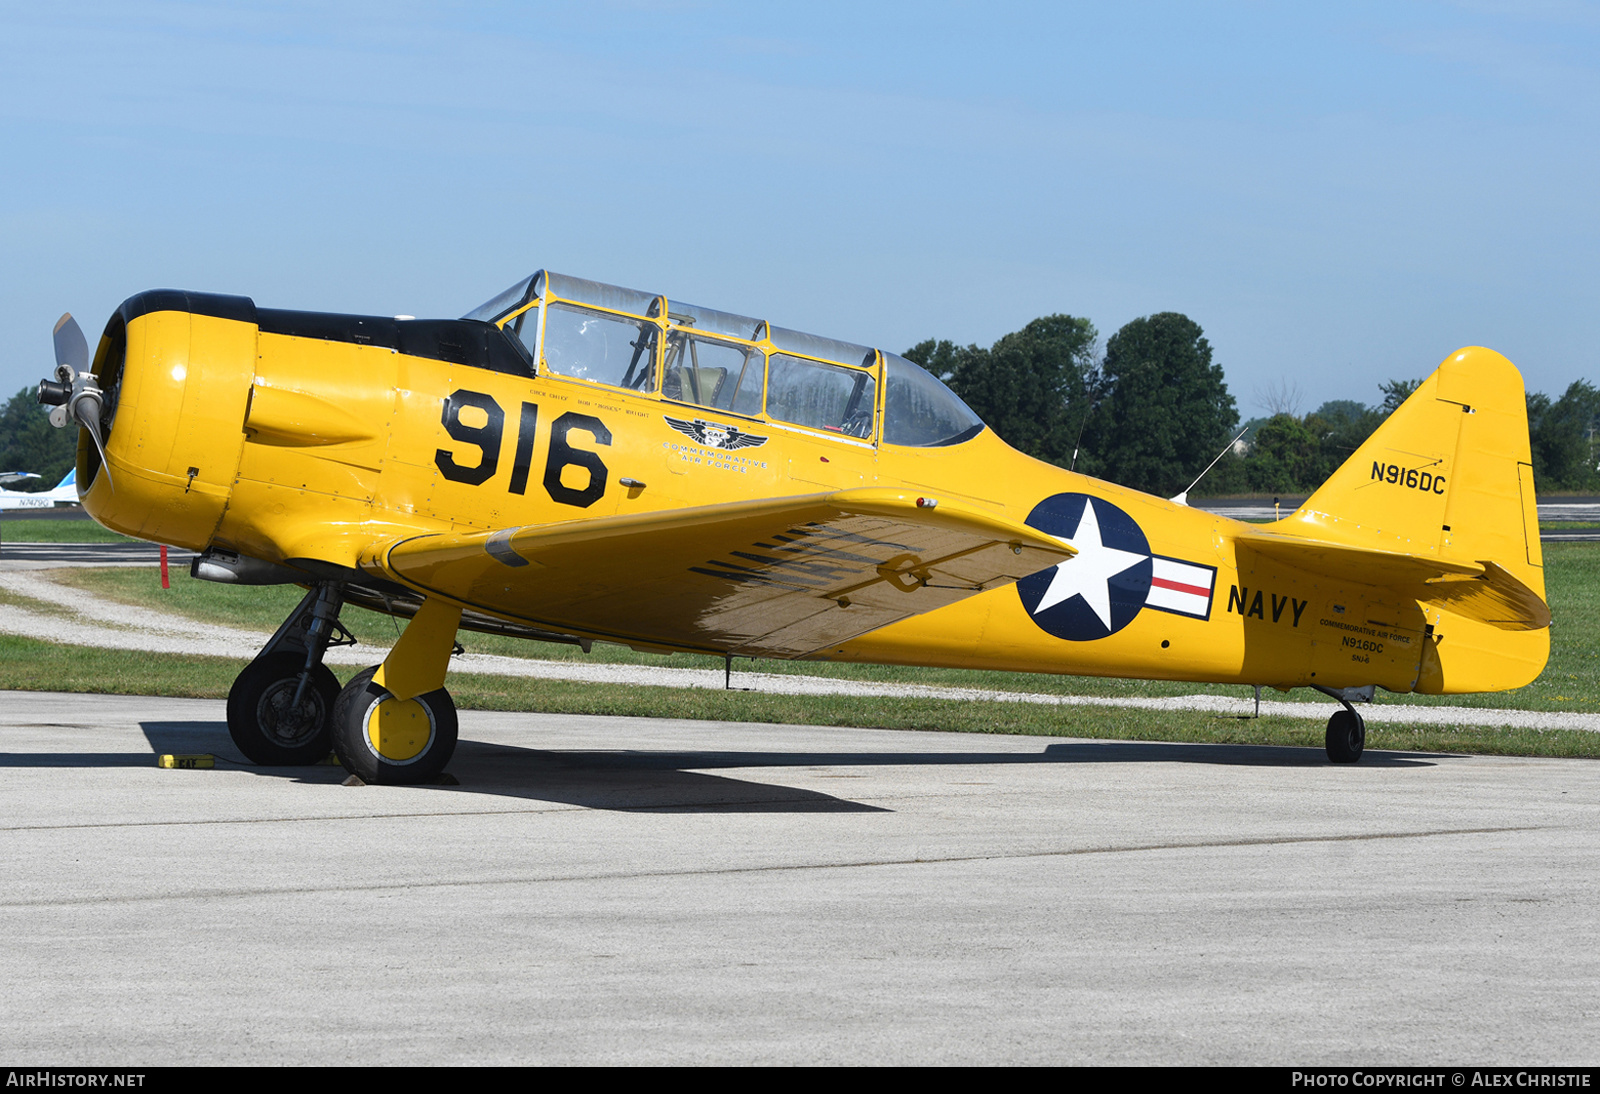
579,462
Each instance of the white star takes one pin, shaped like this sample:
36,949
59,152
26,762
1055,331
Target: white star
1088,573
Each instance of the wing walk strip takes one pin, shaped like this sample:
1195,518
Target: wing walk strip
499,548
812,560
779,868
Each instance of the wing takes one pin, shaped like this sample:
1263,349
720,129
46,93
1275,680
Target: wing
744,440
775,578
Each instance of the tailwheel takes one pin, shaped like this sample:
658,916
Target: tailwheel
1347,736
392,741
266,721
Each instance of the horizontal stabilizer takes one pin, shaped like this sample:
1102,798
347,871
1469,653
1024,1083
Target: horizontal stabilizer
782,577
1482,591
1496,598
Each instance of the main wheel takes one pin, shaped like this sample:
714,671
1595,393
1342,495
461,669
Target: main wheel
267,724
1347,736
389,741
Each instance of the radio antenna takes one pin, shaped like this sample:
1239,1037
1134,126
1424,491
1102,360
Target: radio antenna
1183,498
1094,397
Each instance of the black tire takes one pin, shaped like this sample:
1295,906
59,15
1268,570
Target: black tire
421,762
1347,736
259,719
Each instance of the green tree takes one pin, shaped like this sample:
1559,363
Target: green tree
1396,392
1165,411
1031,387
1561,434
1341,426
1341,411
941,358
28,442
1286,456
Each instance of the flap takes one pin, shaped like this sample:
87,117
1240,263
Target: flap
1482,591
780,577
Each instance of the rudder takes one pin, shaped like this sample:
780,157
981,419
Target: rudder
1448,475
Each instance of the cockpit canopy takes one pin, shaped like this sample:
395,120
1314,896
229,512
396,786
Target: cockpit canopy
648,343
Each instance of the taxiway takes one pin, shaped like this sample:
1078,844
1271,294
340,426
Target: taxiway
605,890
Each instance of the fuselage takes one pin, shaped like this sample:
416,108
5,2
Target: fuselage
311,439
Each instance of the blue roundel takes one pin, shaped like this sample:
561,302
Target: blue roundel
1097,592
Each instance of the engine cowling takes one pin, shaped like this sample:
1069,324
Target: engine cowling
175,369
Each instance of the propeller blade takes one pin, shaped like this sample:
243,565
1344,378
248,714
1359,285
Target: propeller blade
85,409
72,348
92,427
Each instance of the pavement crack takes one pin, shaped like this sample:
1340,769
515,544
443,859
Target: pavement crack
630,875
206,821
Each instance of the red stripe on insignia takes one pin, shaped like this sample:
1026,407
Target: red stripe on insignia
1179,587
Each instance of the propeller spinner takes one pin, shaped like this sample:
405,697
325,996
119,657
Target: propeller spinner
74,396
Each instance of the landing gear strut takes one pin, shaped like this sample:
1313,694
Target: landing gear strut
1347,731
280,707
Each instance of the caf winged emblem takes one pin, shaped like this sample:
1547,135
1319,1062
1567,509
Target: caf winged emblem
714,434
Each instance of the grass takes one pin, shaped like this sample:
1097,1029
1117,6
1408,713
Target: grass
35,665
1570,681
58,531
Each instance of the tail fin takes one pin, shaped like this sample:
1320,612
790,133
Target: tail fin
1449,476
65,492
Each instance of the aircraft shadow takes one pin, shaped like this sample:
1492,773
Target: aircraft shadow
631,781
681,781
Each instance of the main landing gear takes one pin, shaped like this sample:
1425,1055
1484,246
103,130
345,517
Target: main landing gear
384,739
1347,731
393,723
279,707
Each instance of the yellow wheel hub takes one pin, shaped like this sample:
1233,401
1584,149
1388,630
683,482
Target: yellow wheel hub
399,730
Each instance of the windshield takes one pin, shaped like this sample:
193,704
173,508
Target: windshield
600,346
919,410
493,309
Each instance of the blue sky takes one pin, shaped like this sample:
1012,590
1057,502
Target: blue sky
1338,194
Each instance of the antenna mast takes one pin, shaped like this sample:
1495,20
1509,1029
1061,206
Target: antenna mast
1183,498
